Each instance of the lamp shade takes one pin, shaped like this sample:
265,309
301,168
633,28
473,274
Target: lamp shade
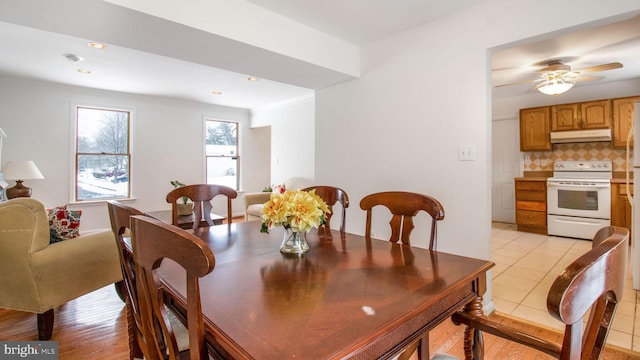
21,170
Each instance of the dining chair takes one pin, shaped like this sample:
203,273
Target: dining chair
201,196
152,242
592,285
332,195
120,215
404,206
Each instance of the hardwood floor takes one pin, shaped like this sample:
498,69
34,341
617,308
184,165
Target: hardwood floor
94,326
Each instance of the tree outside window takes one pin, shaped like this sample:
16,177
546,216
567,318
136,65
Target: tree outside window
222,153
102,154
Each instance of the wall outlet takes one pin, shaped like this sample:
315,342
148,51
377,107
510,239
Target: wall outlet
544,162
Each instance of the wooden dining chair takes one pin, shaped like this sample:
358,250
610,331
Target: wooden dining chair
592,285
332,195
119,215
404,206
201,196
153,241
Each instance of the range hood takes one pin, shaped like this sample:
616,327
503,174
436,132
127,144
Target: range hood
575,136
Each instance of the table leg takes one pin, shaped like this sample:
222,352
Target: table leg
473,342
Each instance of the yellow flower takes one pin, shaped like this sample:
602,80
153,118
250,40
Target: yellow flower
297,210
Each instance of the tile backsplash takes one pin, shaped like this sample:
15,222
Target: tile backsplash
543,160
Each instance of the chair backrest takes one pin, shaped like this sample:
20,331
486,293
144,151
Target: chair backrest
594,283
332,195
404,206
201,196
120,215
153,241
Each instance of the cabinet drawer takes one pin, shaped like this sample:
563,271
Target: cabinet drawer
531,205
531,185
531,218
622,189
531,196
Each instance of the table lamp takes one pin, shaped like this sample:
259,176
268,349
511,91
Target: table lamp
19,171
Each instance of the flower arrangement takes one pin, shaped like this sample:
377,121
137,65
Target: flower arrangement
297,210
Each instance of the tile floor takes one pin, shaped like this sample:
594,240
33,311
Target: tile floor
526,266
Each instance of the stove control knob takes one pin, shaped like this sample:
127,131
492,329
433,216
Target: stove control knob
605,165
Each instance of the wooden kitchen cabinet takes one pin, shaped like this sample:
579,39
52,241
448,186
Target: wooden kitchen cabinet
534,129
622,110
620,207
580,116
531,206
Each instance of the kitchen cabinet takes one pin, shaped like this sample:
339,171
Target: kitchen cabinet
580,116
534,129
620,207
622,110
531,205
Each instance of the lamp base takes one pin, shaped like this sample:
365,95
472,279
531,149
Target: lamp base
18,191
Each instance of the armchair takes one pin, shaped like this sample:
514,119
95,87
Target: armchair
253,203
38,276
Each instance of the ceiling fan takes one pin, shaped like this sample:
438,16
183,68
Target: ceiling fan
556,77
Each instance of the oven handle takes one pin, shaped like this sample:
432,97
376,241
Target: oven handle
579,186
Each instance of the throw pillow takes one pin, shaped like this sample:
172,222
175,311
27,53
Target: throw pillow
63,223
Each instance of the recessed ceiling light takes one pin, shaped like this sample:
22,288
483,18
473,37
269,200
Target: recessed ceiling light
73,57
253,78
96,45
84,71
217,92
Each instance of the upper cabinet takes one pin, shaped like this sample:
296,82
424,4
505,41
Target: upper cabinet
580,116
622,109
534,129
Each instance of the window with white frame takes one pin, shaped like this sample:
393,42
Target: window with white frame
222,158
103,156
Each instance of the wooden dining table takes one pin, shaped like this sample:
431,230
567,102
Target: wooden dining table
347,297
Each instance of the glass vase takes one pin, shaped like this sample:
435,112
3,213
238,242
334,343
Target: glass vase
294,242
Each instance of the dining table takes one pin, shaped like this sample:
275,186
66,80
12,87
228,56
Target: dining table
347,297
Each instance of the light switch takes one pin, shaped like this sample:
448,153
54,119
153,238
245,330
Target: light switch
467,152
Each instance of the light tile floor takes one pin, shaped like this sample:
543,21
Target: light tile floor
526,266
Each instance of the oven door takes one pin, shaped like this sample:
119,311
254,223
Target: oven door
587,198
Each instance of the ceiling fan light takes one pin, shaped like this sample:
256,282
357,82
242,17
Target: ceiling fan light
555,86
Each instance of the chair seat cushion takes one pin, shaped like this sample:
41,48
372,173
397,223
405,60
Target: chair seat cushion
255,210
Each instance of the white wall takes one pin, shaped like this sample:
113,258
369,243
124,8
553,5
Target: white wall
423,93
167,143
293,148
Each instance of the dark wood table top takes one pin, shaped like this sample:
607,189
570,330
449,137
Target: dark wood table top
347,297
184,221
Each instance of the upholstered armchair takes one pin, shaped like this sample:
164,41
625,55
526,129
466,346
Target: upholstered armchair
38,276
253,203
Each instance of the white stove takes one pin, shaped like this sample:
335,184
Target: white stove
579,198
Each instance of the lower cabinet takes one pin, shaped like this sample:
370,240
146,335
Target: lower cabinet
620,207
531,206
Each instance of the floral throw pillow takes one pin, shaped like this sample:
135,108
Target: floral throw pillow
63,223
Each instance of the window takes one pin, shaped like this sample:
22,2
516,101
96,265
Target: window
222,153
102,154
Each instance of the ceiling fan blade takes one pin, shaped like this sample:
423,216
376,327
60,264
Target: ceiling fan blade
519,82
587,78
603,67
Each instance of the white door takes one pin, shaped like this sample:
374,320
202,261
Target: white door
506,166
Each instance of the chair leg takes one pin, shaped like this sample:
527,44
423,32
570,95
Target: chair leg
45,325
121,290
